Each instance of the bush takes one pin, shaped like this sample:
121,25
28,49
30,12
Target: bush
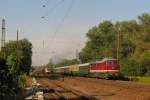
22,81
145,61
132,68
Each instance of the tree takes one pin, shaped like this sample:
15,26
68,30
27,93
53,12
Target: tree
101,42
134,44
22,51
8,83
14,63
132,68
50,64
66,62
144,19
145,61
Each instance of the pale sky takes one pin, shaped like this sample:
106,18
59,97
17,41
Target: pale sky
65,23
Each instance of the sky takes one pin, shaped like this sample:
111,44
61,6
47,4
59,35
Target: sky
57,28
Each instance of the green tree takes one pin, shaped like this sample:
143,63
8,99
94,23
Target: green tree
145,62
66,62
15,60
132,68
134,44
50,64
14,63
100,42
144,19
8,83
22,51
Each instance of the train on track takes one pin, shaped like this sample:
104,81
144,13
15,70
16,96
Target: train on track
106,68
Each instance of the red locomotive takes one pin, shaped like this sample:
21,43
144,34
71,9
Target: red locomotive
105,68
105,65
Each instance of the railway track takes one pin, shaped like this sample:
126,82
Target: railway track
63,91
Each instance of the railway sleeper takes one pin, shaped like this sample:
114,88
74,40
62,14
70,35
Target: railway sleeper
80,95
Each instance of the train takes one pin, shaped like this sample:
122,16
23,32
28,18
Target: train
107,68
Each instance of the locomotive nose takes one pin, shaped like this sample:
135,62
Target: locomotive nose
116,67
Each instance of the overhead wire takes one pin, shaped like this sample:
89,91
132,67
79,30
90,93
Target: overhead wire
61,24
62,20
44,16
51,9
46,2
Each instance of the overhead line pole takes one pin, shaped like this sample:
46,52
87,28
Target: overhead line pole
3,37
3,34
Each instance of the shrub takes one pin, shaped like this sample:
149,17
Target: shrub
131,68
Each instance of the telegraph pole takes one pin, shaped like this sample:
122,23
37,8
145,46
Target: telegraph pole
3,37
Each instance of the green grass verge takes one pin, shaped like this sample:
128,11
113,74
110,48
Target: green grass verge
142,79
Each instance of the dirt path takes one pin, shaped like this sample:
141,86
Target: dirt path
110,89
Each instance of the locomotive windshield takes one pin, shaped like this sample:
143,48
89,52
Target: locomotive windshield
110,62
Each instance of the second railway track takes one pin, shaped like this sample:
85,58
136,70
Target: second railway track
63,91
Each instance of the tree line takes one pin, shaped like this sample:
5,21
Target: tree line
131,39
15,63
63,62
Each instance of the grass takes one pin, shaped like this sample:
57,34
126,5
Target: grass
142,79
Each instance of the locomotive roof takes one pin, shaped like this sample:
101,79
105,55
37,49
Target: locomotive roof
103,60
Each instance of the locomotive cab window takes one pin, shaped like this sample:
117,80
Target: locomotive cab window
110,62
